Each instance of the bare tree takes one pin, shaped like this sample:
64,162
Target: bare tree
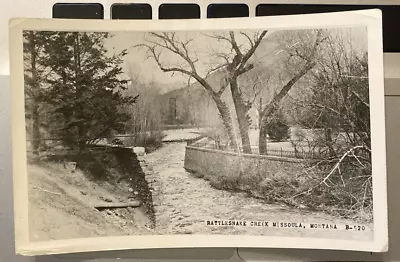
236,66
146,114
307,60
337,112
166,41
232,63
338,99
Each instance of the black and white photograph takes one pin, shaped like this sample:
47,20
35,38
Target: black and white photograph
229,132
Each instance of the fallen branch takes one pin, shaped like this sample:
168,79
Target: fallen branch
117,205
337,165
47,191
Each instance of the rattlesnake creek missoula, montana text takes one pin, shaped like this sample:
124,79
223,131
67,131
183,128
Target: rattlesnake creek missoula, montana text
277,224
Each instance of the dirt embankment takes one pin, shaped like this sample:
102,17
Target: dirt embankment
62,198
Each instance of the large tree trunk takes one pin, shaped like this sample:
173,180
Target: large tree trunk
241,113
262,140
273,105
226,120
36,136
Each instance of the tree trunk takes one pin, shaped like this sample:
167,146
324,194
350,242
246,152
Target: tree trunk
259,111
226,120
273,105
329,142
262,139
241,113
78,95
36,136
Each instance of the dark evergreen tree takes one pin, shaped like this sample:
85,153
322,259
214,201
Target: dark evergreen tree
34,92
277,129
84,87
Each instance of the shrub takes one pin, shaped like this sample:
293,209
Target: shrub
149,140
230,183
98,165
278,130
301,187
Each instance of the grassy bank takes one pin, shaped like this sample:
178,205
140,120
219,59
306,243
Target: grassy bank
301,187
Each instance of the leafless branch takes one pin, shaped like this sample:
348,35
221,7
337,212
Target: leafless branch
360,98
249,39
219,37
168,42
251,51
269,108
214,69
47,191
337,165
235,45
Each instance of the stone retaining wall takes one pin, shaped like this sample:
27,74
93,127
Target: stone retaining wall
152,180
210,162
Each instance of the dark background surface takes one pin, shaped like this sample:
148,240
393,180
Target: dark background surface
391,16
390,13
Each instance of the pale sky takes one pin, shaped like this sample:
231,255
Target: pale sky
201,44
148,68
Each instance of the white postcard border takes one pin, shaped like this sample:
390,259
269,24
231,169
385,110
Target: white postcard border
372,19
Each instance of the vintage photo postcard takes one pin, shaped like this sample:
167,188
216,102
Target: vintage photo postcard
250,132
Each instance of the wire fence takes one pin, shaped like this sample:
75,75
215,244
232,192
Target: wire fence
303,154
199,142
